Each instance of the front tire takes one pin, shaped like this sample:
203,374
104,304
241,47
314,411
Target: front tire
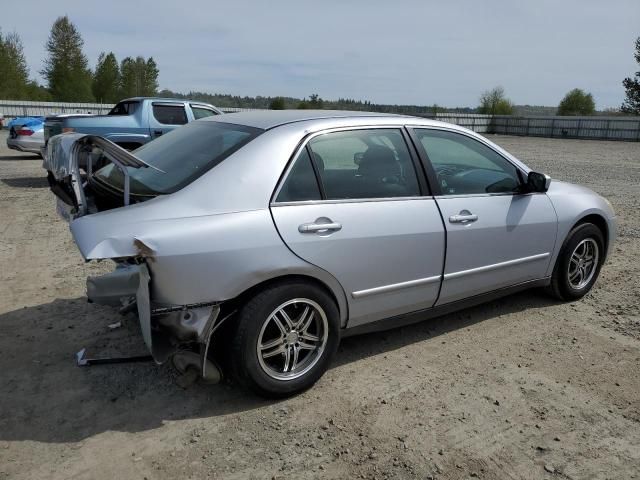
578,264
285,339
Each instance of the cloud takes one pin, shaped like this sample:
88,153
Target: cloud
413,51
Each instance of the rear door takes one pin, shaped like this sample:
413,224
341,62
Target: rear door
165,116
496,237
352,204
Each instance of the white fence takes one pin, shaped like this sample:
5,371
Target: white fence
592,127
21,108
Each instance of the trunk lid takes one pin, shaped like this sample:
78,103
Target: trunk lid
65,156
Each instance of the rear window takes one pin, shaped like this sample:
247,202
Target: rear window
180,156
169,114
124,108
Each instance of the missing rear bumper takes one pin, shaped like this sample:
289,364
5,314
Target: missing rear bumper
165,329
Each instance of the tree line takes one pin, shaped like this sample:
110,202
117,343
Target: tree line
69,78
67,73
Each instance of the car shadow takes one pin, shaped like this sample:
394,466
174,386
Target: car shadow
48,398
24,156
26,182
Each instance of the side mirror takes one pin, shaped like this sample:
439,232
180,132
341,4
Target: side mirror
538,182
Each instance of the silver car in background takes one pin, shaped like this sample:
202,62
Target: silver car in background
257,240
27,138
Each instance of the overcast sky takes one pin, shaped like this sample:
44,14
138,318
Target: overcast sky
415,51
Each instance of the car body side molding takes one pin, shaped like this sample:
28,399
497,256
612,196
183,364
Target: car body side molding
495,266
395,286
440,310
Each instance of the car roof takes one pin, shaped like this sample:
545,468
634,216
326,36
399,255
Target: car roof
162,99
267,119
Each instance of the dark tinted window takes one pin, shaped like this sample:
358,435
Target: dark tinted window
464,165
180,156
301,183
124,108
201,112
169,114
364,164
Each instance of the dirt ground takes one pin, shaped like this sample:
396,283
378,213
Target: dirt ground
522,387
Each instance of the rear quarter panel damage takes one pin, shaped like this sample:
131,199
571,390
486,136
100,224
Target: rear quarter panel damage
207,258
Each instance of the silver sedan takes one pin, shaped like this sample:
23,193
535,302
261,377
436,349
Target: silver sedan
26,138
251,243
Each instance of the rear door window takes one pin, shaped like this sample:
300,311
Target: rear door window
373,163
169,114
202,112
124,108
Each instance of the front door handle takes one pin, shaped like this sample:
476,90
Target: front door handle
320,226
465,216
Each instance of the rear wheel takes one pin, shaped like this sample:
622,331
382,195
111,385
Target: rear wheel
578,263
285,339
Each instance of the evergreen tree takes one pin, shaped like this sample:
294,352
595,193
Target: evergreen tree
67,69
277,104
14,78
139,77
106,79
150,84
632,87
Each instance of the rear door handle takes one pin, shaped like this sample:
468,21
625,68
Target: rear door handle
319,227
463,217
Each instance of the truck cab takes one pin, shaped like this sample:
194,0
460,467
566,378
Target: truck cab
134,121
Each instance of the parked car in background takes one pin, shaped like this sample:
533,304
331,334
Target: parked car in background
133,122
26,134
276,233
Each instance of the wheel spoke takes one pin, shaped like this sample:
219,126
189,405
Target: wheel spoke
272,343
296,351
278,350
286,318
308,336
302,317
279,323
306,346
303,328
287,359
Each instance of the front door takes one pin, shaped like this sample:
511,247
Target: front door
496,237
367,221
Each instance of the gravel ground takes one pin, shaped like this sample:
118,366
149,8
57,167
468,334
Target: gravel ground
522,387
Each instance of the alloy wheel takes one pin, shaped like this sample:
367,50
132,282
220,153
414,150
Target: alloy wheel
583,263
292,339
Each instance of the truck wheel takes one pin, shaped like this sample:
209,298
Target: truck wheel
285,339
578,263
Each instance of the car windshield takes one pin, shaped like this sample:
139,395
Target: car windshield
180,157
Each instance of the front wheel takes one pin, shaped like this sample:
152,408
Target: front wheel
578,263
285,339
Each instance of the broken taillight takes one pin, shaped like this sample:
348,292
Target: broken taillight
25,132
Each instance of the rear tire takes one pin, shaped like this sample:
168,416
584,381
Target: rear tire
578,264
285,339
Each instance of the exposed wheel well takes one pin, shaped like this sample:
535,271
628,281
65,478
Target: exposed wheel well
241,299
598,221
231,307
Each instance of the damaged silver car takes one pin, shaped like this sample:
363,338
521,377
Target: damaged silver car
271,235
